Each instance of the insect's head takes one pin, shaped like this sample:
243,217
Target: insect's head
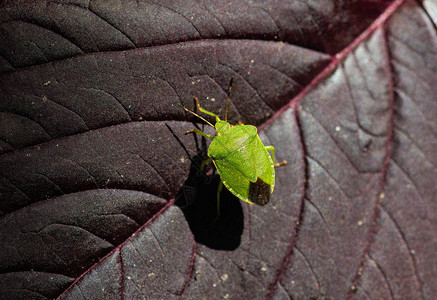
222,127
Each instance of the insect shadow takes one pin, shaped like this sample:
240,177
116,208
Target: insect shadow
198,201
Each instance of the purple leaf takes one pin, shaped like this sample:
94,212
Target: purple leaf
100,191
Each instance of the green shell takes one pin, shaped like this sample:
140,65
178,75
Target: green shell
243,163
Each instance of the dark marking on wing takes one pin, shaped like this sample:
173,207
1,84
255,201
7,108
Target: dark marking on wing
259,192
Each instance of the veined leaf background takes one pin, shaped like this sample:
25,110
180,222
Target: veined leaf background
99,197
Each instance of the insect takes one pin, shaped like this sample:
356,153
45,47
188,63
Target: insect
244,164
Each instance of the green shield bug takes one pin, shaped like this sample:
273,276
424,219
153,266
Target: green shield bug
244,164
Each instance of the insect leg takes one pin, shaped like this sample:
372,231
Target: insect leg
204,110
199,132
271,148
204,163
219,190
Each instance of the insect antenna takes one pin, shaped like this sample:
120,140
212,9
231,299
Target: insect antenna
192,112
227,99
